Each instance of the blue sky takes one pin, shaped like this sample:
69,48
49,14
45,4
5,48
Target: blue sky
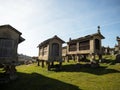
39,20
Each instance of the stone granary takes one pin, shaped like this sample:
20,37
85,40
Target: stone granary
80,47
108,50
9,40
118,40
118,50
50,51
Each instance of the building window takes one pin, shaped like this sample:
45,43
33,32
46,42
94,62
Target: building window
97,44
6,48
85,45
73,47
55,49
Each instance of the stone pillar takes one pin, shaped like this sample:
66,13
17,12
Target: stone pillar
60,65
117,58
10,70
48,66
84,57
38,64
13,75
74,57
77,58
52,64
67,58
93,56
46,63
100,57
42,63
63,58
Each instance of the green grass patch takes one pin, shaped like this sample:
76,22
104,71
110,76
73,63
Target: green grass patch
72,77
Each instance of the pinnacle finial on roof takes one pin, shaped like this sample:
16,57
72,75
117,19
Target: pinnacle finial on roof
98,29
117,37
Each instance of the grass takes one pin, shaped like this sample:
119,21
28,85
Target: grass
72,77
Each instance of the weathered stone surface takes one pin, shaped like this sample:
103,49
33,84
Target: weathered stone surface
118,58
9,40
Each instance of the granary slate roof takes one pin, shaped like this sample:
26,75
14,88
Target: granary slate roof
21,39
87,37
15,30
48,40
12,28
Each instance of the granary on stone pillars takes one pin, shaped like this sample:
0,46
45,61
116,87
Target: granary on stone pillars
80,47
118,50
50,51
118,40
9,40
